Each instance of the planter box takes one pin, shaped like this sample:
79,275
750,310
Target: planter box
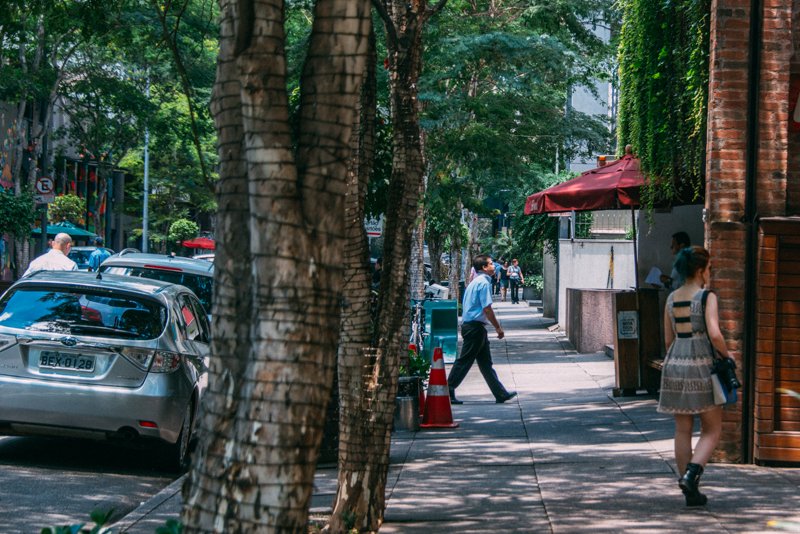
531,293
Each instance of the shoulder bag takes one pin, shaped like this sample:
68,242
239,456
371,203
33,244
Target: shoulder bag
723,370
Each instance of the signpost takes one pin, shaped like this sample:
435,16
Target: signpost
45,190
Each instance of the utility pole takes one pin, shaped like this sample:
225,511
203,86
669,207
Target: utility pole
145,218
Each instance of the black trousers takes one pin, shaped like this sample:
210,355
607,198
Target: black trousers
515,290
476,348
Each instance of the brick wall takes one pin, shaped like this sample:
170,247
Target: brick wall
793,167
726,162
725,183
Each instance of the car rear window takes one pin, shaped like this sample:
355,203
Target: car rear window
202,286
81,257
79,312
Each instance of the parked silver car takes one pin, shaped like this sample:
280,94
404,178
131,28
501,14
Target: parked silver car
102,356
197,275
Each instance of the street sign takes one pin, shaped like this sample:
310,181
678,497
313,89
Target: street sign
45,190
628,324
374,227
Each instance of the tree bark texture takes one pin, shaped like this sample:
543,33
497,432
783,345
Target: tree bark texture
278,285
366,409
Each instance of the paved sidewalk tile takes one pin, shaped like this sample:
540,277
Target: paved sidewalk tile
564,456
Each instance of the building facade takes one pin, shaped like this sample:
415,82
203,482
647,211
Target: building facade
752,218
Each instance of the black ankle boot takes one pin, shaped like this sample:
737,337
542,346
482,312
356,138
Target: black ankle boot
695,499
691,478
690,485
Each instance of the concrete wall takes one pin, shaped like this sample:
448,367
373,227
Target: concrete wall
590,318
654,239
550,291
585,264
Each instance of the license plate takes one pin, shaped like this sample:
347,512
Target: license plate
72,362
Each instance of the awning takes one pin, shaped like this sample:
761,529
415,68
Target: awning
200,242
67,228
612,186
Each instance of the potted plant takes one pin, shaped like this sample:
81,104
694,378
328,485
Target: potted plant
411,385
533,286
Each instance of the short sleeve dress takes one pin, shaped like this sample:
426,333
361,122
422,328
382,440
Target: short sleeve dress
686,374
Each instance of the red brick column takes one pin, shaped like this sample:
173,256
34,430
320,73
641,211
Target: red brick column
726,163
725,183
793,166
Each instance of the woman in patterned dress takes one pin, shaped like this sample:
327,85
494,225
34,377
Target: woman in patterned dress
686,390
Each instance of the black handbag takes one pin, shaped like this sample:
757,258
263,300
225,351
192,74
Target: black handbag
723,367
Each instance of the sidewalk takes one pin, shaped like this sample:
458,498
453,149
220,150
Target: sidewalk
564,456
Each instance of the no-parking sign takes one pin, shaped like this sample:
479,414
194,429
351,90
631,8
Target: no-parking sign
45,190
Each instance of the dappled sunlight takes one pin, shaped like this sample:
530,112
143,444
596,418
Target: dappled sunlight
565,455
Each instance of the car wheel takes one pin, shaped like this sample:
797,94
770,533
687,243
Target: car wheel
178,457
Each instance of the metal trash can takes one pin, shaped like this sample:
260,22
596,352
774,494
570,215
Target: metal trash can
406,413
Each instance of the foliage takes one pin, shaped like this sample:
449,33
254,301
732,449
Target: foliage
663,78
182,230
98,517
100,58
535,233
494,92
535,281
16,214
418,365
502,246
172,526
67,208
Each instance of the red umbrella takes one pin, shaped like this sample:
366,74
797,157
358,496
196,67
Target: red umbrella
200,242
612,186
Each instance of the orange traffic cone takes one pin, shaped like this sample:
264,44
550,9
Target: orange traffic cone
437,406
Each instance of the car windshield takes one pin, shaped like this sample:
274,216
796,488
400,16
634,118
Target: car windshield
201,285
72,311
81,257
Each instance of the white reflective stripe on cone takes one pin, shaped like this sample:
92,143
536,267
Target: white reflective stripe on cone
438,391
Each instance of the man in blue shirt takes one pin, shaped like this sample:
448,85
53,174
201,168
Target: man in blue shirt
99,255
477,314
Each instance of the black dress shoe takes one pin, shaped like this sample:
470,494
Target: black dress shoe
505,399
454,400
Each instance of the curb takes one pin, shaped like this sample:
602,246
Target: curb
147,507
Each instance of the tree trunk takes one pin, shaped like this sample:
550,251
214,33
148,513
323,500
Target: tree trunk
263,423
435,251
455,275
417,271
363,413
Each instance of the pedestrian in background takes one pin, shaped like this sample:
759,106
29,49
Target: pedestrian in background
515,279
496,277
98,255
477,314
56,258
504,279
680,240
691,334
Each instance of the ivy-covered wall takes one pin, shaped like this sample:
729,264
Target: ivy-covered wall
663,79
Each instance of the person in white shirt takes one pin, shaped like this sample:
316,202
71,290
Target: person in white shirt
56,258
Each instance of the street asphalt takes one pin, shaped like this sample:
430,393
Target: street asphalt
563,456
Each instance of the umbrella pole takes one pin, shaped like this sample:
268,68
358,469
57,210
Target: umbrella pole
635,252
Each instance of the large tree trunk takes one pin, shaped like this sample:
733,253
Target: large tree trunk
371,375
257,474
363,412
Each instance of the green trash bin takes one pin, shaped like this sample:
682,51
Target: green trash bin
441,326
